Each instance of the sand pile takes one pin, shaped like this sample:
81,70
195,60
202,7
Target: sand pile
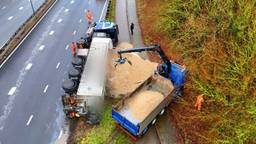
142,104
124,78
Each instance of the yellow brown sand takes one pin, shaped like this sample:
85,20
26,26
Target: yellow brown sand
143,103
125,78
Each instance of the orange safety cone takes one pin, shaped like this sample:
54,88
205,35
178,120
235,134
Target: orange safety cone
199,102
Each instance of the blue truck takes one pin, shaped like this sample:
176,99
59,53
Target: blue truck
168,81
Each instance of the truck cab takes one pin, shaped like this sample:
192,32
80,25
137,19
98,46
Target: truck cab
109,28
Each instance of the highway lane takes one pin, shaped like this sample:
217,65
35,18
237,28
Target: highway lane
13,13
32,112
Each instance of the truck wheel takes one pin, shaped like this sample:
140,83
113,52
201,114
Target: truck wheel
77,61
144,131
74,73
153,122
69,86
162,111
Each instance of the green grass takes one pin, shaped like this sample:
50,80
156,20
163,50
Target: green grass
218,37
103,133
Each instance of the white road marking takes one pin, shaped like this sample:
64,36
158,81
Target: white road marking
41,47
57,66
61,132
3,7
8,107
101,16
9,18
66,10
28,67
60,20
51,32
80,20
71,2
67,47
21,8
46,88
12,90
29,120
74,33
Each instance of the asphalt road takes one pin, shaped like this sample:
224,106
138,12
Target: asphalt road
30,81
13,13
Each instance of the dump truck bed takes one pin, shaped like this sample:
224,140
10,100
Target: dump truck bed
136,111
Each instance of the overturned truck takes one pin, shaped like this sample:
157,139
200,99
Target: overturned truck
85,86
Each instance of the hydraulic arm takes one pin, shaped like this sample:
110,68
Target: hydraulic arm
156,48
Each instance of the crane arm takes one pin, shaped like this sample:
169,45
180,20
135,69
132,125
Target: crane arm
155,48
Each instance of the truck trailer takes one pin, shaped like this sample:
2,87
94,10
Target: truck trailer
85,86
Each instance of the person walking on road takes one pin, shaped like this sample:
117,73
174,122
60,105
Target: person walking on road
132,28
73,47
89,16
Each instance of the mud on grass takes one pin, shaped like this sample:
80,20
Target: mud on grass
78,128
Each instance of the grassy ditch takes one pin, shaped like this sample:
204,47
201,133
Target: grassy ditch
105,132
216,40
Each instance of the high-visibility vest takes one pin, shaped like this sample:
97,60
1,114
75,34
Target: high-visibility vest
73,47
89,16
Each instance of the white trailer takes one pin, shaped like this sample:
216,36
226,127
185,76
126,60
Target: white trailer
91,89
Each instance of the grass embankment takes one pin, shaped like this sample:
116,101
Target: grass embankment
105,132
112,11
216,39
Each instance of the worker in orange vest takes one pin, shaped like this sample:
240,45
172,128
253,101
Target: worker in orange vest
73,47
89,17
199,102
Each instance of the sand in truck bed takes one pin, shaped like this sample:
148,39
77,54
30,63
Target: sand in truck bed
125,78
138,107
140,104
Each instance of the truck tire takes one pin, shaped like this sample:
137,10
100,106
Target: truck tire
144,131
69,86
77,61
162,112
153,122
74,74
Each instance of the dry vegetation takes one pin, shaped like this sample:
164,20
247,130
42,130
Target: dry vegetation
216,39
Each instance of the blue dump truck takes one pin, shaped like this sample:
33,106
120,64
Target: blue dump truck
137,111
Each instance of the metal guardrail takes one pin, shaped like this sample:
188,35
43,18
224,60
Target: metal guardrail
23,30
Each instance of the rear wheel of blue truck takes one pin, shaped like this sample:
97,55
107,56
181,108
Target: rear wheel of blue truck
162,112
153,122
144,131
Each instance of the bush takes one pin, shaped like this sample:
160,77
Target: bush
218,40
